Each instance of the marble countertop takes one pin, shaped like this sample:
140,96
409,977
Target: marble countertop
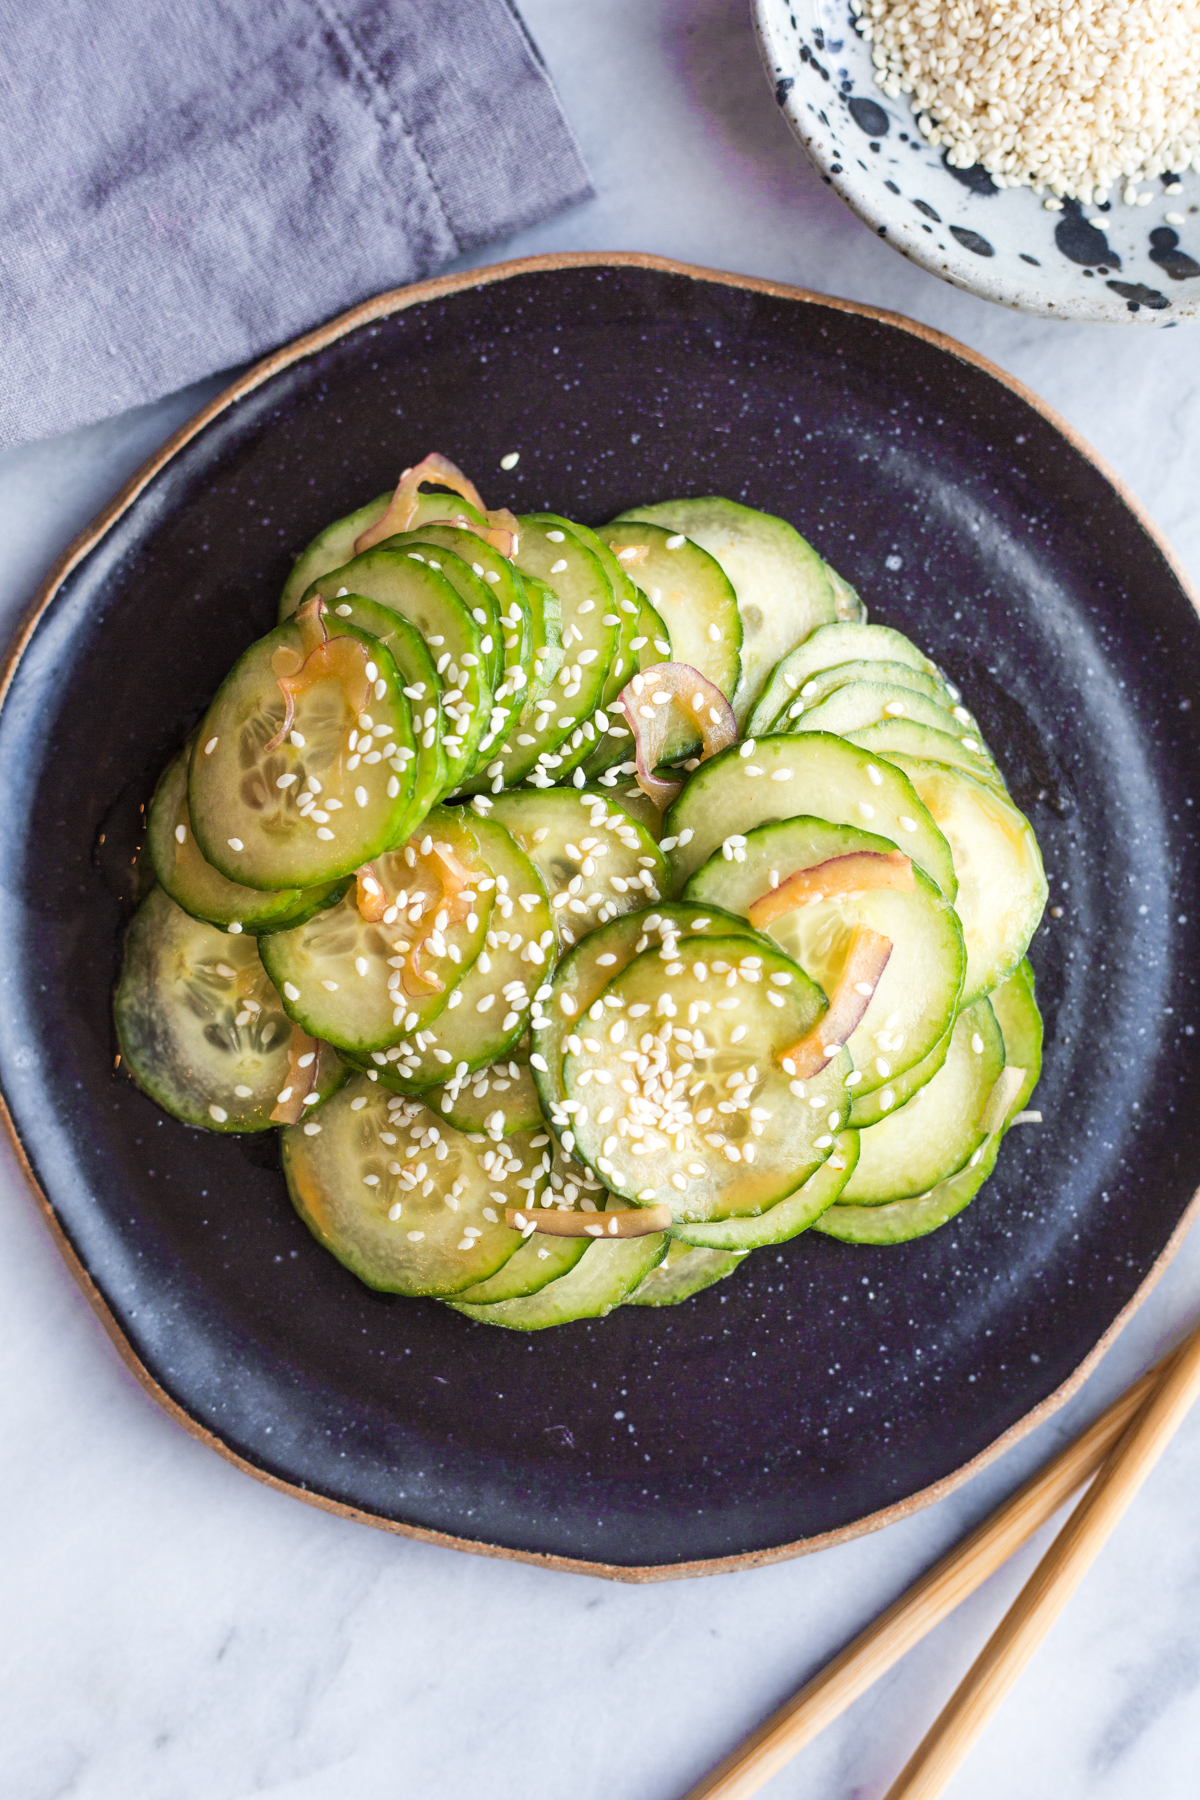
175,1631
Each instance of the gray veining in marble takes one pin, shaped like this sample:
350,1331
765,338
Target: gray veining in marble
174,1631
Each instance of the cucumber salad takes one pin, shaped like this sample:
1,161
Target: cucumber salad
586,908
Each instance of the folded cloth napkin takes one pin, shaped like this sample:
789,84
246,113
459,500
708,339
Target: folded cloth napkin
185,183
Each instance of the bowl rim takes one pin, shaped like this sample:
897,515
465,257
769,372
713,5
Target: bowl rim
958,267
382,306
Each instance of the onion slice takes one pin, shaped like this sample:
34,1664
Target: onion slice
402,507
838,875
371,900
639,1221
865,962
646,701
341,659
1004,1091
299,1081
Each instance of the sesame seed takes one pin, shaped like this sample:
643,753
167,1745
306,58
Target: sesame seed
907,823
866,809
290,992
235,843
219,1114
677,542
511,460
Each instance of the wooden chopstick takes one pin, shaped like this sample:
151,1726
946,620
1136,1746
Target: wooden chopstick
931,1599
1053,1581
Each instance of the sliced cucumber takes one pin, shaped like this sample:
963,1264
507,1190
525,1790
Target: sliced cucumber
594,858
898,1223
1020,1021
789,1216
861,704
335,545
343,977
915,1000
783,588
650,643
202,890
498,1099
850,608
542,1258
311,809
696,601
402,581
584,973
827,646
684,1271
509,618
825,682
407,1203
867,1109
200,1027
474,592
681,1099
599,1280
490,1008
423,688
1001,883
627,604
549,744
905,737
938,1130
784,777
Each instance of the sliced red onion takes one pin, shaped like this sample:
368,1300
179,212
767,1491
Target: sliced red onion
299,1081
850,874
342,659
402,507
647,700
865,963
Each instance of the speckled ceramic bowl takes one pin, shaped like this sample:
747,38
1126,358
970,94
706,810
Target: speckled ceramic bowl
1127,265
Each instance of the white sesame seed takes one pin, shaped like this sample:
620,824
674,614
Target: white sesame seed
235,843
219,1114
677,542
907,823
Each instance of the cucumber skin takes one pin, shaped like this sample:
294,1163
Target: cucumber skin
795,1213
671,1283
583,1292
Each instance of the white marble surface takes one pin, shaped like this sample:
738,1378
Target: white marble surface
174,1631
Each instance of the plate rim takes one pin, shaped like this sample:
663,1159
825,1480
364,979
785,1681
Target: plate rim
381,306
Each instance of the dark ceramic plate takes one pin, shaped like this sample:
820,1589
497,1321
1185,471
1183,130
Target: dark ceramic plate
823,1389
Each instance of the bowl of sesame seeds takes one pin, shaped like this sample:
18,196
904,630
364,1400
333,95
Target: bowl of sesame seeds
1044,154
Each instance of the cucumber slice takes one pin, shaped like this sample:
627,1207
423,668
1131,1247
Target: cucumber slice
827,681
511,621
547,745
902,1220
827,646
914,1004
1001,883
542,1258
868,1109
789,1216
491,1010
1020,1021
938,1130
783,588
584,973
407,1203
627,604
423,688
599,1280
650,643
312,809
517,741
202,890
499,1100
335,545
898,1223
200,1027
474,592
699,1115
849,607
696,600
342,976
594,858
905,737
815,774
396,578
861,704
684,1271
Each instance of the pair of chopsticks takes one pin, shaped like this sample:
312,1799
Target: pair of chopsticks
1116,1453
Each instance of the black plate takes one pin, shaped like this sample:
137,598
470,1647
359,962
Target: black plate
823,1385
